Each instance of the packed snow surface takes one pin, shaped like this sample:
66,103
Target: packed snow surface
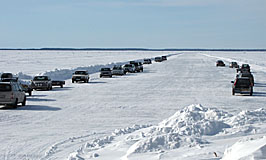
181,108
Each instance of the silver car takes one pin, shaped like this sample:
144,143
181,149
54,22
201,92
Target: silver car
129,68
11,94
118,70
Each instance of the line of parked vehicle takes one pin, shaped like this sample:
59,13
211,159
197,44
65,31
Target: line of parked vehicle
244,79
12,90
131,67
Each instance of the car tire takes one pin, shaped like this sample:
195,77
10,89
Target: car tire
73,81
24,101
233,92
61,86
15,105
30,93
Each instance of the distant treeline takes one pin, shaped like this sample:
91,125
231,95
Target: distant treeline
126,49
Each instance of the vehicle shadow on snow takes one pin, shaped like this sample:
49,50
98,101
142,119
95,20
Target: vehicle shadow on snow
260,85
95,82
38,108
259,94
40,99
33,108
61,89
38,96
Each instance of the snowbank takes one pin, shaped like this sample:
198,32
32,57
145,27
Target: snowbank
186,128
247,149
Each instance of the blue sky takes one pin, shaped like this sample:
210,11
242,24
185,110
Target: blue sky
133,23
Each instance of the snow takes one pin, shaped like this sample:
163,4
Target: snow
181,108
247,149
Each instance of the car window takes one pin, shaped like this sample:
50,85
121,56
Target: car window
41,78
5,87
15,88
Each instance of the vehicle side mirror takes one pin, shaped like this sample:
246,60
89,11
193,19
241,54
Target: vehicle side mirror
232,81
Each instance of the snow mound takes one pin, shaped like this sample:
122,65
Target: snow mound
188,127
247,149
184,128
248,117
194,120
128,130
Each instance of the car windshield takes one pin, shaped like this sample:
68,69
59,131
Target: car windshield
5,87
40,78
105,69
6,75
81,72
243,82
246,75
117,67
245,66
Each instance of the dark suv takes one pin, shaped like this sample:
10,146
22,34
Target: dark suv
242,85
138,66
246,74
244,68
220,63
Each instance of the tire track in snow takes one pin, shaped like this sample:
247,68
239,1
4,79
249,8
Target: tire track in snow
59,146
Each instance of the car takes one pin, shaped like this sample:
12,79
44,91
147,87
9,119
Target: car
164,58
138,66
80,75
244,68
42,83
106,72
129,68
147,61
118,70
158,59
26,87
6,76
233,65
220,63
246,74
11,94
242,85
58,83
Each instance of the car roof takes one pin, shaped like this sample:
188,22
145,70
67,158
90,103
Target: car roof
5,82
243,78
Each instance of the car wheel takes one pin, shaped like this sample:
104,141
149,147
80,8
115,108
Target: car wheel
233,92
15,105
51,88
30,93
73,81
24,102
61,86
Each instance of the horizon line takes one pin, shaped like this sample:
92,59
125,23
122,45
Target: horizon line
134,49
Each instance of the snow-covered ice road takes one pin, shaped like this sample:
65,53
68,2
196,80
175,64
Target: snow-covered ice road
56,123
